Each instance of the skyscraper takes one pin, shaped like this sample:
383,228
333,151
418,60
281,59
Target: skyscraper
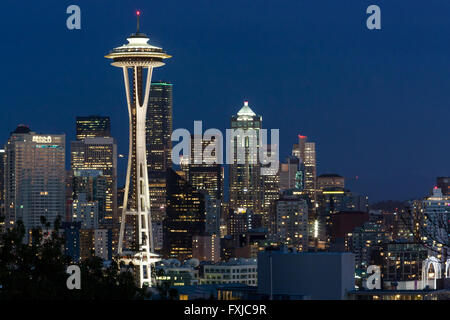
34,177
306,152
92,186
289,173
135,239
2,189
185,217
159,127
208,175
93,127
99,154
290,221
271,188
245,179
159,145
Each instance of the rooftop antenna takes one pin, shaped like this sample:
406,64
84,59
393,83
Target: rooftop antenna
138,13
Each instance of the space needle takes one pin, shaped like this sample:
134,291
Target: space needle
135,237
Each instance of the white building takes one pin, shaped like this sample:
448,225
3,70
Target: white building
34,178
234,271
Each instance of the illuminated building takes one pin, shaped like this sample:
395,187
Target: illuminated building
135,239
331,201
241,220
157,194
99,154
175,274
207,175
213,213
330,181
435,212
93,127
289,173
306,152
290,221
159,127
365,241
34,177
159,145
402,261
185,217
245,184
86,212
206,247
243,271
271,189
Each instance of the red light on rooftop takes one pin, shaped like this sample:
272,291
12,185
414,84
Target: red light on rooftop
138,13
302,137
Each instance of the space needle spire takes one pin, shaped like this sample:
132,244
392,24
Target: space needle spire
135,237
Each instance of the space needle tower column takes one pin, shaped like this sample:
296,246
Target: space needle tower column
135,237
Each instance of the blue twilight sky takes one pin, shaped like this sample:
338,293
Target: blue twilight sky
375,102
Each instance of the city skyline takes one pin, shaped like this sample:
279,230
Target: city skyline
322,106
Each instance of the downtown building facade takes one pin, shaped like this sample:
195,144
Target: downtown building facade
289,223
99,153
245,183
34,178
158,132
305,151
185,217
93,127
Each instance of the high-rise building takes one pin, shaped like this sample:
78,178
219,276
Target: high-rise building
159,145
185,217
331,201
93,127
93,186
99,154
34,177
159,127
135,238
443,183
240,221
206,247
85,212
207,178
306,152
245,184
289,174
207,174
435,211
290,221
270,187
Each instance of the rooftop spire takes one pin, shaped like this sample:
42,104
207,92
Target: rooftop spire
138,13
246,111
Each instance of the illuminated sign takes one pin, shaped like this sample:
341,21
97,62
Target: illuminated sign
42,139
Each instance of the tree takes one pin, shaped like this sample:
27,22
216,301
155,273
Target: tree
36,269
